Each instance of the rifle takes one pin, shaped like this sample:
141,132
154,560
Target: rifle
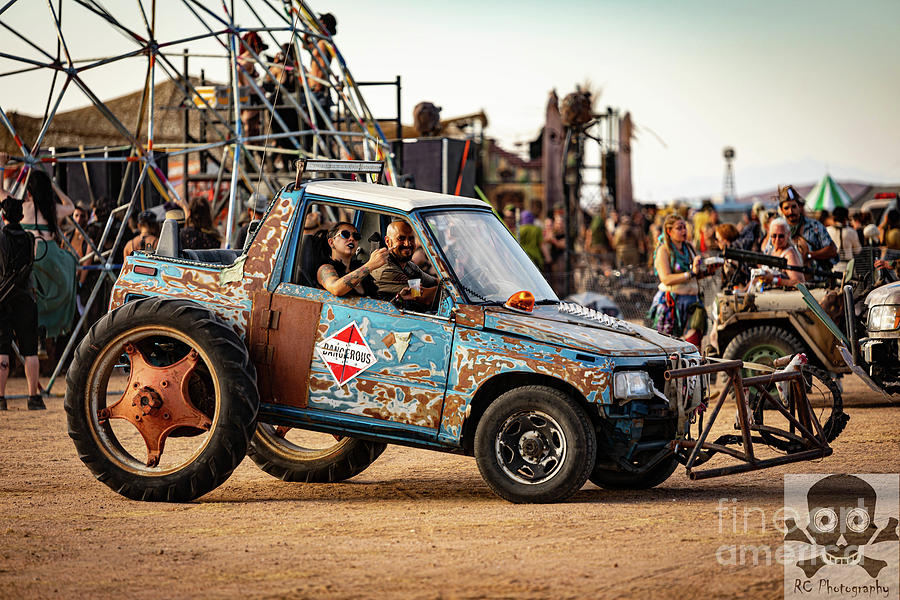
777,262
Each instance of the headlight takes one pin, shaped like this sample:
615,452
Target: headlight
633,384
884,318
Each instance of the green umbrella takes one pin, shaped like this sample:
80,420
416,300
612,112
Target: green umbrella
827,195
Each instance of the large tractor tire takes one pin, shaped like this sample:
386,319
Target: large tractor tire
189,405
535,444
298,455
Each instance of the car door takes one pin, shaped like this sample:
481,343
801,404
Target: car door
373,361
358,357
350,357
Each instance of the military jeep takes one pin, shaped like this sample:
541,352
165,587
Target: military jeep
759,327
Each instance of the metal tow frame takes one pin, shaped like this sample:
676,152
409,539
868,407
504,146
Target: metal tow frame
805,431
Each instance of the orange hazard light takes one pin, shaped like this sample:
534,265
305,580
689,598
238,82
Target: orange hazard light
523,301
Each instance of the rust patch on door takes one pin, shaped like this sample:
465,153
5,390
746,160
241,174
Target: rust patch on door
282,337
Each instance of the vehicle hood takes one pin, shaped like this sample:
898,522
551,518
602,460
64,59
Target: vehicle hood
886,294
547,324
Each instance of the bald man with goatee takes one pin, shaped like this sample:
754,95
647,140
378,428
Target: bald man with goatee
393,278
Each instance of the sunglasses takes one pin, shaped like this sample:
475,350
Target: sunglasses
777,236
347,234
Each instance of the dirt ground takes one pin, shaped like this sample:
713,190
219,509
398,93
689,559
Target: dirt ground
416,524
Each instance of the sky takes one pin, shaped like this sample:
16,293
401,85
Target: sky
797,87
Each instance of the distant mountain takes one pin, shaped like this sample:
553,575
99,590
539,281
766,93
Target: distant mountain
803,174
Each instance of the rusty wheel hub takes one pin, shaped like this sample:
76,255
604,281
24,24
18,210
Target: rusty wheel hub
157,402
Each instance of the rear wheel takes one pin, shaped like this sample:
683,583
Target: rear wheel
300,455
535,444
188,409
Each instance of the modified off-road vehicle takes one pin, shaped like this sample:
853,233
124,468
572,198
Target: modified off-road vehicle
207,356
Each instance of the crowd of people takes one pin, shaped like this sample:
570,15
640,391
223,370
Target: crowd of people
73,243
674,241
275,79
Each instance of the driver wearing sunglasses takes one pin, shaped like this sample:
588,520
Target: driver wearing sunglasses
341,273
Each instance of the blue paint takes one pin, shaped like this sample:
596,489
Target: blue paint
349,425
423,397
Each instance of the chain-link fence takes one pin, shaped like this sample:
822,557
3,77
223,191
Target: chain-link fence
631,289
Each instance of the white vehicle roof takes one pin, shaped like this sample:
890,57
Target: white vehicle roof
398,198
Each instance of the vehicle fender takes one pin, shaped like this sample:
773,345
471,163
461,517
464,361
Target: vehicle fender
816,337
480,356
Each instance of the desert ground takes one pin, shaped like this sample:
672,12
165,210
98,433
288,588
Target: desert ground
416,524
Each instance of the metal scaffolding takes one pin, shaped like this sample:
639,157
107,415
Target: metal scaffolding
331,116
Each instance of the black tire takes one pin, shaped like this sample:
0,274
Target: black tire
624,480
535,444
824,396
292,460
218,391
827,401
762,345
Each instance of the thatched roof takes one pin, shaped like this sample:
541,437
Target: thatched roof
89,127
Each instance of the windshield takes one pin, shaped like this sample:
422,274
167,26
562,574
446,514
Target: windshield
486,259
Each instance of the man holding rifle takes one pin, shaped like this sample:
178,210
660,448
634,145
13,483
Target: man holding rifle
820,251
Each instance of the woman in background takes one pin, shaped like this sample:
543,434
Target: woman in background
147,238
199,233
677,265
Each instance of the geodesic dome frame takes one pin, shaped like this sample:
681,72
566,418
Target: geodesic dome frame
148,37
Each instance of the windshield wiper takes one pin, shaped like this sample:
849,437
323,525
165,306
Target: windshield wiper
546,301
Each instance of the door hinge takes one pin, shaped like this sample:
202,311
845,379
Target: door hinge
263,354
270,319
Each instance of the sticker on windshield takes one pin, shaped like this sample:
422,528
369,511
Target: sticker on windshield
346,353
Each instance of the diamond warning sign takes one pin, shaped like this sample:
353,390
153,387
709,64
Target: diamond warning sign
346,353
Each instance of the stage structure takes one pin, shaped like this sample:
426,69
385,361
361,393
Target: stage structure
241,130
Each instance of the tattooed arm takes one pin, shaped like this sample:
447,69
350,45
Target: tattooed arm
339,286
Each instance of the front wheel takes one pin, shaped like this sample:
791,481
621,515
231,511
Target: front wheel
310,457
161,400
535,444
762,345
625,480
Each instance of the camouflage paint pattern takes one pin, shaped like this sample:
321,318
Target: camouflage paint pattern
408,390
479,355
